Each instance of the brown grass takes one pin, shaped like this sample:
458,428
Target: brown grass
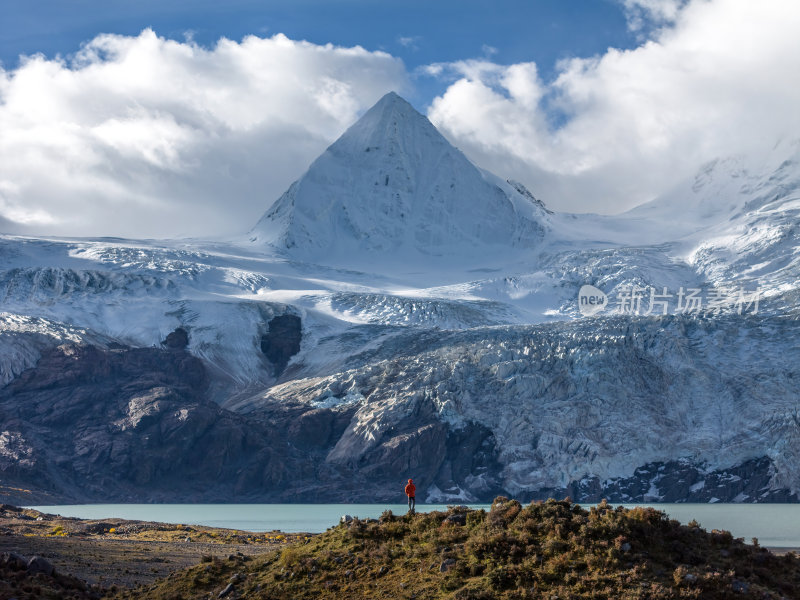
543,550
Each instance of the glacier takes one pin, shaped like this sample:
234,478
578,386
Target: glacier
435,306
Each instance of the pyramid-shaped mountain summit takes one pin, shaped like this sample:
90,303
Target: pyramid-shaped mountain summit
393,184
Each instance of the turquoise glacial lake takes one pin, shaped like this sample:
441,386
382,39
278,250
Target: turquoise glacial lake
775,525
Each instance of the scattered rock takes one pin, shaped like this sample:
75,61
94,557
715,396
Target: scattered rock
456,519
626,547
101,527
228,589
345,519
446,565
13,561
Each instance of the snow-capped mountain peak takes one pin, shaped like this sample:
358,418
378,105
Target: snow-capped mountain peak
392,183
456,348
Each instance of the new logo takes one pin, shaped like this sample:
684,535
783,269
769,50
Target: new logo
591,300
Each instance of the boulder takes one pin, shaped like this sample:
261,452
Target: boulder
447,564
456,519
37,564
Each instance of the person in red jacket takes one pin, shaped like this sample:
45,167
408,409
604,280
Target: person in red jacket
411,491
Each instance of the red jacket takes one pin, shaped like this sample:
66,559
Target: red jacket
410,489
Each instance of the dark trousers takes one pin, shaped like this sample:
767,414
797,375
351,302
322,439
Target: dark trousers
412,503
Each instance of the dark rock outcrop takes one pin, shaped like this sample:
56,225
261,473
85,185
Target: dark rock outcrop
120,424
470,455
685,481
177,340
136,424
282,341
315,429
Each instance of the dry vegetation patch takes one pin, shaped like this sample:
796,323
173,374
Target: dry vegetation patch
543,550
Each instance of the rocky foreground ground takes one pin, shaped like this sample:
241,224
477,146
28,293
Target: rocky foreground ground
553,549
76,558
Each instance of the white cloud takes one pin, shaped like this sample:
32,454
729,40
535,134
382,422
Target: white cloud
614,130
409,41
143,136
656,12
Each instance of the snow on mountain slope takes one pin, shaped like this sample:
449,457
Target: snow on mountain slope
736,219
391,183
724,190
431,294
136,293
742,227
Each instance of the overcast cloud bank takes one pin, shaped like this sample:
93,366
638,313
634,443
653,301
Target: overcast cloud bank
721,80
142,136
147,137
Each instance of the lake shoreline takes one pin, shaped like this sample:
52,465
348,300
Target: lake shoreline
774,525
548,549
112,555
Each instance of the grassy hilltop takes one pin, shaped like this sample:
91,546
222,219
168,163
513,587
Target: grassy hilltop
554,549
